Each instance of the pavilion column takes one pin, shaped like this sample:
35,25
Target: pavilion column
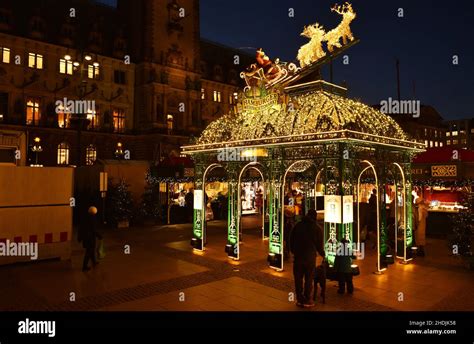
408,198
198,240
233,216
275,213
382,171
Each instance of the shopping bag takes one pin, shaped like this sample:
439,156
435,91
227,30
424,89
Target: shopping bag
101,249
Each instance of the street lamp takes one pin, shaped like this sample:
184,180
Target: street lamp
119,150
36,149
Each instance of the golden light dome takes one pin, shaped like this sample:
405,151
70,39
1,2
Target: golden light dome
311,112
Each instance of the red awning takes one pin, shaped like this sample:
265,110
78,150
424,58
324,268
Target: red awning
176,161
444,154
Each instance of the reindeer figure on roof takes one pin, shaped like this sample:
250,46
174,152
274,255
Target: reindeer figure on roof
313,50
343,30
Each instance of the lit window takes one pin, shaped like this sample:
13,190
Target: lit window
448,142
92,117
217,96
436,133
472,130
5,55
63,119
93,71
33,113
119,120
65,66
436,144
426,132
441,144
426,143
462,132
91,155
35,61
454,133
431,144
170,123
63,154
203,93
448,133
455,142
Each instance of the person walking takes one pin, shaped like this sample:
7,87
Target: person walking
88,236
306,241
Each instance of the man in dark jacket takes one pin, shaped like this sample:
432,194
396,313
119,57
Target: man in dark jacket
88,235
306,240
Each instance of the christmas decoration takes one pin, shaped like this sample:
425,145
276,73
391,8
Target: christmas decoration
150,205
313,51
463,229
120,204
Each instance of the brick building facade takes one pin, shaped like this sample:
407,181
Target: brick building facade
152,80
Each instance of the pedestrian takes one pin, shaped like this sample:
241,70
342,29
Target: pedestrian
343,268
372,223
306,241
88,235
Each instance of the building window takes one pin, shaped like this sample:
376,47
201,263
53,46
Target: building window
91,155
35,61
441,144
119,77
93,119
454,133
5,55
448,142
93,71
472,130
217,96
33,113
119,120
65,66
63,119
169,123
463,141
436,133
436,143
431,144
426,132
426,143
203,93
455,142
462,132
63,154
448,133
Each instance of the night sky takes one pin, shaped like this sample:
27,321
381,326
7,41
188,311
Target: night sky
424,40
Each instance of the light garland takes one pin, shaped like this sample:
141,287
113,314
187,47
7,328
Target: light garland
309,113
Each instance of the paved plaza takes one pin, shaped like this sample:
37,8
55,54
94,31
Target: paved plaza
161,273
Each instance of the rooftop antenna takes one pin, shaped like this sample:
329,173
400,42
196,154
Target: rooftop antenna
398,79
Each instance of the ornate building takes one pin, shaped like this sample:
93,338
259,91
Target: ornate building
143,76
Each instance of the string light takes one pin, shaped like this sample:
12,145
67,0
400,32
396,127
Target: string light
308,113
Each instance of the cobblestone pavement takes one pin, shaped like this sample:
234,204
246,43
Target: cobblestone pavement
161,266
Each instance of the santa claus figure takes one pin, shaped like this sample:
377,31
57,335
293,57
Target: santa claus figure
264,62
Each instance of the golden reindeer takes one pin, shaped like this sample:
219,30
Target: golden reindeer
343,30
313,50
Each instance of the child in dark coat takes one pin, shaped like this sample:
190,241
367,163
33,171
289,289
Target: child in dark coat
320,278
343,268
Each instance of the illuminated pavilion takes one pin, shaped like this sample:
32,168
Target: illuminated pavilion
293,123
